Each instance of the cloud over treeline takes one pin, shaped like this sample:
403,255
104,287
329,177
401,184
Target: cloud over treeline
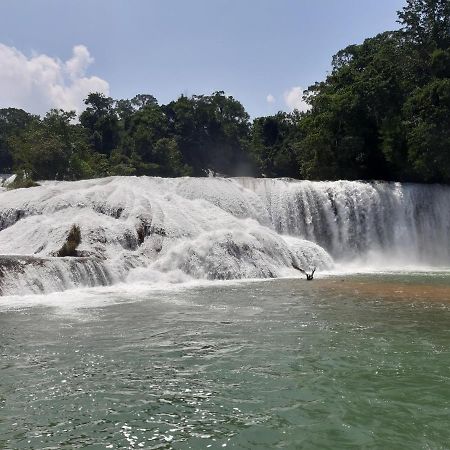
294,99
41,82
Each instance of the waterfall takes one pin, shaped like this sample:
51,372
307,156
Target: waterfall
214,228
408,223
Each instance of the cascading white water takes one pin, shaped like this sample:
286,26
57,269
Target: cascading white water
399,223
30,275
213,228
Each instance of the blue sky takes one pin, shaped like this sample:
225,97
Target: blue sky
249,48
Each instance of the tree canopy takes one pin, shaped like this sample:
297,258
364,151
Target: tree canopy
383,112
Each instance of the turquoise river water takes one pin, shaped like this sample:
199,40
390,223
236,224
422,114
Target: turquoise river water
358,362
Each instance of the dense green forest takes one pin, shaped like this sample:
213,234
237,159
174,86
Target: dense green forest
383,112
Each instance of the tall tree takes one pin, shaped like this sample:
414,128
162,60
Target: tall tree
427,118
427,22
12,122
53,148
100,118
211,131
275,144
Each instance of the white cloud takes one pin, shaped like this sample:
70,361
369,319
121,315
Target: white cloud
294,99
40,82
270,98
80,61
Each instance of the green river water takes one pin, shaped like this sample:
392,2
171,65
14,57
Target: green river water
355,362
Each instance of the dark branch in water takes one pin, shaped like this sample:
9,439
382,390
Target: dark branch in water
309,276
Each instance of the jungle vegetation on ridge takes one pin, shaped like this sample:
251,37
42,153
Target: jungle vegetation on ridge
383,112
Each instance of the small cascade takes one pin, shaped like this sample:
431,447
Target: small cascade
29,275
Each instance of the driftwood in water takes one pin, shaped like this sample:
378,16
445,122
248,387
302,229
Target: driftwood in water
309,276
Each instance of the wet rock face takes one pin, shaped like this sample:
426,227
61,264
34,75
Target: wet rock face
10,217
